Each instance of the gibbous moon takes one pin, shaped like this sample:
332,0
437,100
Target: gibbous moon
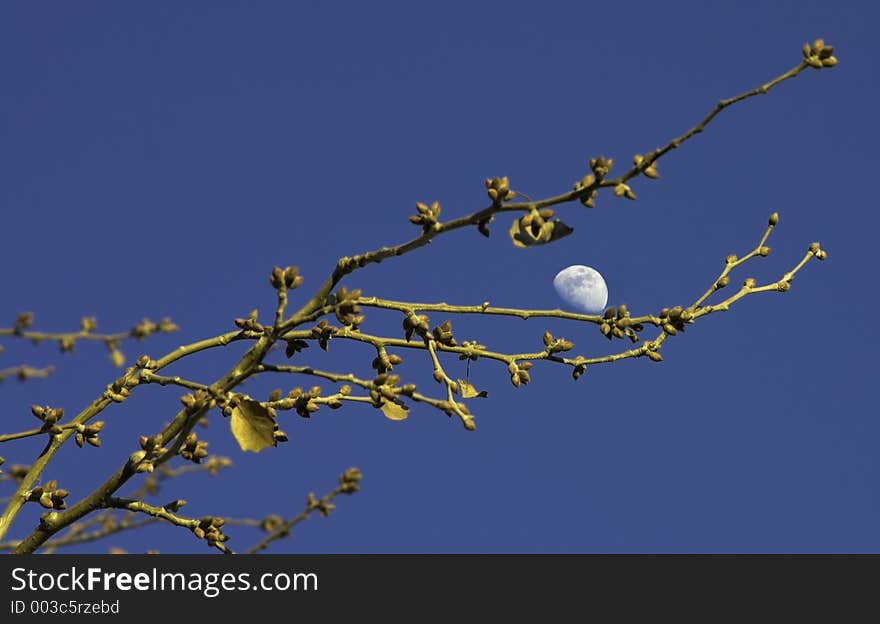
582,287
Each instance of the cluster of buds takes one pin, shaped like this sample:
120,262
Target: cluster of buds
147,327
145,363
415,324
302,401
305,404
819,55
323,332
209,529
673,320
287,278
519,373
384,388
346,307
151,447
426,215
817,251
623,190
201,399
88,433
383,362
471,344
601,166
271,523
322,505
49,495
556,345
120,389
347,265
721,282
350,481
652,353
49,417
616,323
88,324
22,321
498,190
66,344
250,323
461,410
443,334
649,170
587,198
193,449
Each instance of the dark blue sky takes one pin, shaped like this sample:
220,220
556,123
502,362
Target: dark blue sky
159,160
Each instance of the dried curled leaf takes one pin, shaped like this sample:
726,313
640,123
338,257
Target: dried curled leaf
393,411
534,232
252,425
469,392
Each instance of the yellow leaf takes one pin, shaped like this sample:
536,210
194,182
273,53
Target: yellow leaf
393,411
469,392
252,426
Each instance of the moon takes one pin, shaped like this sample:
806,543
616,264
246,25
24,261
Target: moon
582,287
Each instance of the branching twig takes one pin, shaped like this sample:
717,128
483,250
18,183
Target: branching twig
383,390
207,528
25,372
349,483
